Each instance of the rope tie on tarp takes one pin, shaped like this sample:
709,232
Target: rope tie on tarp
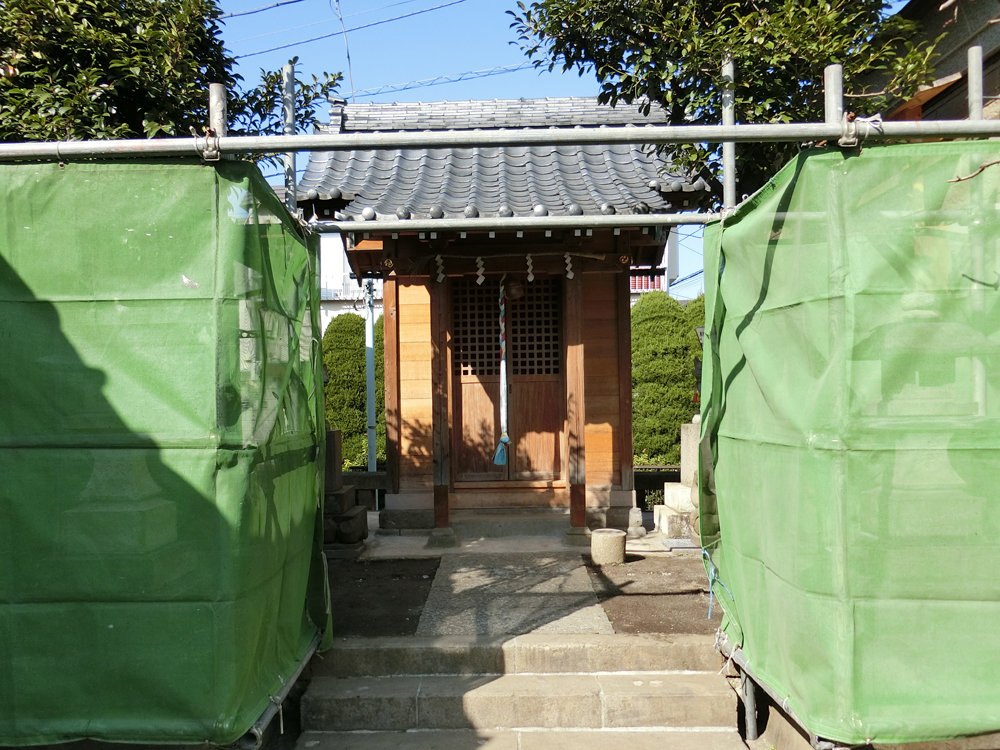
713,578
500,457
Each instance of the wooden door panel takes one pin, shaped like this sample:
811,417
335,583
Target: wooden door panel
536,428
476,430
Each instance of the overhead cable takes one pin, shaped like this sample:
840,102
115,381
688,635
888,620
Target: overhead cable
325,20
356,28
689,277
440,80
261,9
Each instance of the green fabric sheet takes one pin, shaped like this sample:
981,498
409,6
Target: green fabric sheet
851,438
161,451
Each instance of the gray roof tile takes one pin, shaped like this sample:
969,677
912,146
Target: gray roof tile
561,180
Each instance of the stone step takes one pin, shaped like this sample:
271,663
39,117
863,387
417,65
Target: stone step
470,525
532,653
560,739
517,701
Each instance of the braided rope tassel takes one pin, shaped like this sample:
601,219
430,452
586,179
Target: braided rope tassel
500,457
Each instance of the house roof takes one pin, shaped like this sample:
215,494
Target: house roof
497,181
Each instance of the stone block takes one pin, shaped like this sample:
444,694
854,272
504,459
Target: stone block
679,526
406,519
442,538
354,704
366,497
689,450
340,500
615,517
578,536
367,480
607,546
675,700
346,528
635,528
677,497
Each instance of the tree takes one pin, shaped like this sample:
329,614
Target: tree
664,347
91,69
671,52
344,359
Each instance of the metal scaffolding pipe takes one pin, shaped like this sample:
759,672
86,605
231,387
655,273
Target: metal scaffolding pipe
217,116
288,111
975,63
728,147
833,93
653,134
501,224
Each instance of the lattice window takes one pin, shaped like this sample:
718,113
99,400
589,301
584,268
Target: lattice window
534,329
476,327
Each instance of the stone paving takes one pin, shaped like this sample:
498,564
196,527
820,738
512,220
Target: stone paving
512,593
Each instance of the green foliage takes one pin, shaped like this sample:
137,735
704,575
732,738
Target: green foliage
344,359
664,347
671,51
94,69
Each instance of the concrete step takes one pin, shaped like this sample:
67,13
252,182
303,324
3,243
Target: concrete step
559,739
532,653
516,701
493,524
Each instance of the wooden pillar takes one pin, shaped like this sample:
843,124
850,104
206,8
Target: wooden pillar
625,449
575,406
390,322
439,401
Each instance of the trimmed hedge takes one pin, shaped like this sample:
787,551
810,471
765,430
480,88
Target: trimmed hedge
344,359
664,347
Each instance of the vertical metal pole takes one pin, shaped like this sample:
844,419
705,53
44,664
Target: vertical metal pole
728,147
288,108
975,58
370,368
217,114
833,94
748,689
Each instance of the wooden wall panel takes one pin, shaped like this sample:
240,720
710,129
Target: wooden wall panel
602,370
415,384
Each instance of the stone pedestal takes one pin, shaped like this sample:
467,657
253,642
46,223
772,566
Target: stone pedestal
675,517
635,528
607,546
443,538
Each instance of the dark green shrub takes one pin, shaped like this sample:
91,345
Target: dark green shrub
664,347
344,359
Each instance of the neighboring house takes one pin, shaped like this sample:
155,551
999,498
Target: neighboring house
568,399
964,23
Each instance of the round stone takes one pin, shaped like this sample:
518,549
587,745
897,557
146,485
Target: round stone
607,546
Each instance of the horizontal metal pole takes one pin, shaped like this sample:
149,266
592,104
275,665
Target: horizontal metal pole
652,134
499,223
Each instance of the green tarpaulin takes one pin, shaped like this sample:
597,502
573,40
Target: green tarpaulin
161,438
851,438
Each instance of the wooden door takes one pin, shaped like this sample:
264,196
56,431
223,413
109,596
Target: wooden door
475,359
535,374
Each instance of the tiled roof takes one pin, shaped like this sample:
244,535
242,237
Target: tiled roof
492,181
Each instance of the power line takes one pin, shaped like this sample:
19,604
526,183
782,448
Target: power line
260,10
325,20
689,277
440,80
356,28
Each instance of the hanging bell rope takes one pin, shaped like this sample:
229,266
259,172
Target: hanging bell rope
500,457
